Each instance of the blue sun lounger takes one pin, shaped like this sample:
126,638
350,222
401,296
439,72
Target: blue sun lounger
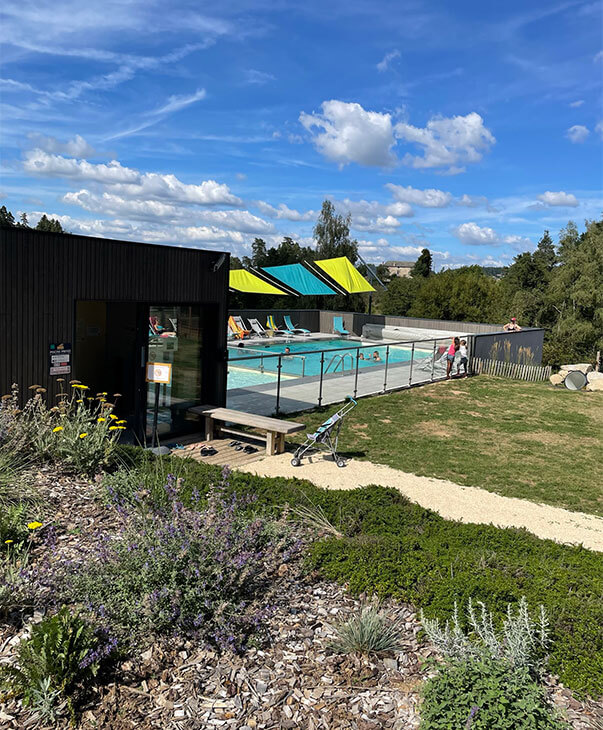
294,330
338,328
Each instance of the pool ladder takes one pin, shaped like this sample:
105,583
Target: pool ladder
339,359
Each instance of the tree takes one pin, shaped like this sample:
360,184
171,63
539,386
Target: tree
545,255
332,234
423,264
399,296
6,217
235,263
49,224
23,222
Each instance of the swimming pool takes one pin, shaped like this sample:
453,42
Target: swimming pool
337,357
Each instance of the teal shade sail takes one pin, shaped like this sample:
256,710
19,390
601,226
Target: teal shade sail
299,278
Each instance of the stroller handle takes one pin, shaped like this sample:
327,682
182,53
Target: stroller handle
349,397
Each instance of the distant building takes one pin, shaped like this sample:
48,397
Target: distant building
399,268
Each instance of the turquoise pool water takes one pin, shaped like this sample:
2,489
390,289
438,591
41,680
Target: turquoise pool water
239,377
309,363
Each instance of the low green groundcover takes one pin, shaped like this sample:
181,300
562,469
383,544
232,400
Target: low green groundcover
395,548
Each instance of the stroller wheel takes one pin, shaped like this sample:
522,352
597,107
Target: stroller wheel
340,463
295,461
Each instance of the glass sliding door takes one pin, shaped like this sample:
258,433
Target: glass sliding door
174,345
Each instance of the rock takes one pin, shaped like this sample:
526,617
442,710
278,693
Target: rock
594,375
557,378
583,367
595,385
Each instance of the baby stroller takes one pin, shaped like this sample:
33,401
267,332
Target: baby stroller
327,433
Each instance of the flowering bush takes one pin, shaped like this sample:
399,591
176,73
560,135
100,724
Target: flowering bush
78,433
63,654
180,570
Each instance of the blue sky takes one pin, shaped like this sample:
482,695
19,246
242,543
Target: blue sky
465,127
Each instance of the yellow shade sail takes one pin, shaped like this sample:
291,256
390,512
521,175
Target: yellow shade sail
345,274
245,281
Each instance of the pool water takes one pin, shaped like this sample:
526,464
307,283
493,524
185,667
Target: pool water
337,355
244,377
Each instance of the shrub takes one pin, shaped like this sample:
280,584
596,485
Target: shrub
13,526
59,660
521,642
180,571
486,694
79,433
370,632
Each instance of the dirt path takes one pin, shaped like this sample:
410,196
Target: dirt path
452,501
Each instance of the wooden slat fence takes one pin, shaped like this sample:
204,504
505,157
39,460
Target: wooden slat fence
510,369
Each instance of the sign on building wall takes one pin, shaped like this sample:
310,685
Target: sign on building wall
159,372
59,358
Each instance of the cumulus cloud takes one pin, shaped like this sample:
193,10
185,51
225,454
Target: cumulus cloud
473,235
577,134
384,64
128,181
430,198
380,224
373,208
139,209
348,133
560,198
76,147
283,212
447,141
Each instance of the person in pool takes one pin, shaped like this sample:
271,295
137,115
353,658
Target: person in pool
287,351
376,356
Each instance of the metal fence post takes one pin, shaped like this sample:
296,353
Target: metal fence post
278,384
356,377
412,359
433,359
386,364
322,365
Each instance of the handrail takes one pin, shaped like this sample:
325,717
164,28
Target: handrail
340,361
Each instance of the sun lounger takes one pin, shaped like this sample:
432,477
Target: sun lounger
237,331
257,327
271,325
240,323
338,328
289,327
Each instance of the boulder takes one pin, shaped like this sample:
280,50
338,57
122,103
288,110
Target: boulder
583,367
595,375
595,385
557,379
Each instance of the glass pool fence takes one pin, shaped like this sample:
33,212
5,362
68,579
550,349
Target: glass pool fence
284,377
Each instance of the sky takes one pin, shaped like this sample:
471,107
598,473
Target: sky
468,128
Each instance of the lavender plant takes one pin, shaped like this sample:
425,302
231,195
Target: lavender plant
180,570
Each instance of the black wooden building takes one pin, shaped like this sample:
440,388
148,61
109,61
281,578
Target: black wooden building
101,311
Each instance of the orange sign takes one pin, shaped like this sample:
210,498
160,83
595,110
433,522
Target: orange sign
159,372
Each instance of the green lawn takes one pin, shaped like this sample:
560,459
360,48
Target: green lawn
526,440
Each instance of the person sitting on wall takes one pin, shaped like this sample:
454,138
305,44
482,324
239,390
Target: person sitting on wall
512,326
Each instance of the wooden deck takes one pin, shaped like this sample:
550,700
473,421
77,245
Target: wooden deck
226,456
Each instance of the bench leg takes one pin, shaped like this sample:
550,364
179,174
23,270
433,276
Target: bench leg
209,428
271,443
280,443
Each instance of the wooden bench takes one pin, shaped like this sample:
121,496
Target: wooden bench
275,428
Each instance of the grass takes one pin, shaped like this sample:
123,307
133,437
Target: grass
392,547
526,440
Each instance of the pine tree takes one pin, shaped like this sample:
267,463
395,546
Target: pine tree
422,267
6,217
332,234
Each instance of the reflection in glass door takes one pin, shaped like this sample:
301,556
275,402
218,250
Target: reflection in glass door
174,341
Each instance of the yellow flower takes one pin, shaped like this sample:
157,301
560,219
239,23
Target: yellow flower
7,542
113,428
83,435
101,419
122,421
34,525
80,386
121,428
79,401
113,416
56,429
102,400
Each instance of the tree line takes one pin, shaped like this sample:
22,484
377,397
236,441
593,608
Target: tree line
7,219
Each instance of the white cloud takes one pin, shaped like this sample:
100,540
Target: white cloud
598,57
76,147
384,64
110,204
348,133
473,201
577,103
283,212
473,235
253,76
558,199
577,134
128,181
447,141
373,208
177,102
381,224
599,129
430,198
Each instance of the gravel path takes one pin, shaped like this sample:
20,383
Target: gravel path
452,501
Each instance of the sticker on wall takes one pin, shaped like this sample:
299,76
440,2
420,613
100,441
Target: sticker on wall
159,372
59,358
